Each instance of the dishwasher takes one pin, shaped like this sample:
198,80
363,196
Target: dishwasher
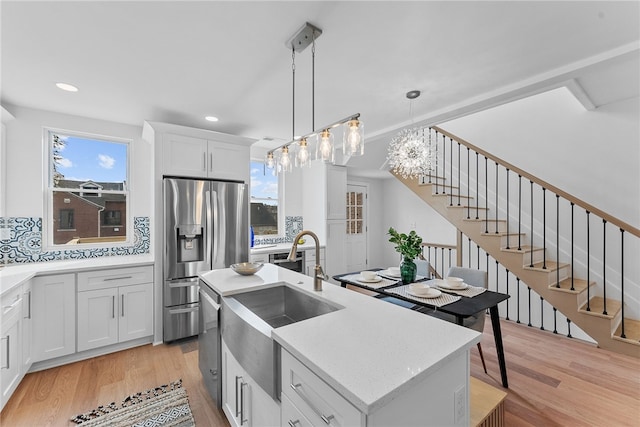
209,342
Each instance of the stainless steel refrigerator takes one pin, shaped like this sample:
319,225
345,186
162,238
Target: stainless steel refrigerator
206,226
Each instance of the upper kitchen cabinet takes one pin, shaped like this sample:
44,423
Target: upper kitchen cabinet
197,153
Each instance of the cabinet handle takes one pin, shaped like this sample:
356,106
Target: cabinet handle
326,418
113,306
293,423
242,420
210,162
8,351
122,309
204,161
28,305
237,406
116,278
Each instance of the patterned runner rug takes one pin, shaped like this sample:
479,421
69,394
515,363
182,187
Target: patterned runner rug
165,406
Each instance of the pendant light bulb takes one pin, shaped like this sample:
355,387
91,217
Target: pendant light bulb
325,149
353,142
285,161
302,157
270,161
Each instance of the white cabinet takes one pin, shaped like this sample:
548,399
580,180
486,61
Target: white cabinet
202,158
27,326
336,192
54,316
10,344
243,401
114,306
263,258
310,261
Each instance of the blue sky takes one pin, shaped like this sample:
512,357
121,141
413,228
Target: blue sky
100,161
263,185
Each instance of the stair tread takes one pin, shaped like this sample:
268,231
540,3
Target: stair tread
455,196
483,219
631,331
467,206
501,234
579,285
524,249
551,266
596,305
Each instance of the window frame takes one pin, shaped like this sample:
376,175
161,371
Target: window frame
48,227
281,217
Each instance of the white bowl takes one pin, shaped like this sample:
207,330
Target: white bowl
419,288
368,275
455,282
395,271
247,268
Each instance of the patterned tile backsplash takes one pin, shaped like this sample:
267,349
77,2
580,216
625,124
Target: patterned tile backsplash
25,243
293,225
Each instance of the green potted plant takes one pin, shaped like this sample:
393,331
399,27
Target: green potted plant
409,246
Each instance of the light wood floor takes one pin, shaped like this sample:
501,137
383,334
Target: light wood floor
553,380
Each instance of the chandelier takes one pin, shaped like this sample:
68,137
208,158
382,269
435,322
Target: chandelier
297,152
411,152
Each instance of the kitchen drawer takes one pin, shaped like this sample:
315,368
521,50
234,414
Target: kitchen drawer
11,304
264,258
109,278
315,399
291,416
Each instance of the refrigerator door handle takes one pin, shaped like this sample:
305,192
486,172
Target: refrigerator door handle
209,228
215,232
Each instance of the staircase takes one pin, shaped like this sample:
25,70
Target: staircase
541,239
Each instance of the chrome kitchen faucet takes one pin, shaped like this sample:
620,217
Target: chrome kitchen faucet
318,274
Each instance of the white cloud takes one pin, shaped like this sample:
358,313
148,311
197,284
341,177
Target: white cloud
64,162
256,170
255,183
271,189
105,161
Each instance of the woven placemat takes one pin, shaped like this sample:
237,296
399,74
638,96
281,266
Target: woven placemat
442,300
470,291
373,285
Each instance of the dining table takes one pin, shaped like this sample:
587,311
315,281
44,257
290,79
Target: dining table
458,305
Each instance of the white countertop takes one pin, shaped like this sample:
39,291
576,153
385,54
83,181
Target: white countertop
370,351
282,247
15,274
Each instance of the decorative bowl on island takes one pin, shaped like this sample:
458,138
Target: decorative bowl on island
246,268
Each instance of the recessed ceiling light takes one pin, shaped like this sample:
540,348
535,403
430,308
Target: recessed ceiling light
67,87
212,118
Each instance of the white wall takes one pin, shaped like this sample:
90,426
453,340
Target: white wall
593,155
26,168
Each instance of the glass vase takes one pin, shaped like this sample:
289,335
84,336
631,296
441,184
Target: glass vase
408,270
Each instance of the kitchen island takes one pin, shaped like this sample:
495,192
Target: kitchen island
393,366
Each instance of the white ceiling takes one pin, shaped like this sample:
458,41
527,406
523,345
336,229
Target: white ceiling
177,61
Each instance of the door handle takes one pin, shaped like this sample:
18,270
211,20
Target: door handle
237,406
28,316
113,306
183,310
122,305
242,419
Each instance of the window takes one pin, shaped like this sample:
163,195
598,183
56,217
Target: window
264,200
66,219
88,191
355,202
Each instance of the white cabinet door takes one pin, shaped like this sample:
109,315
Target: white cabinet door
10,360
97,318
27,327
336,192
136,312
54,316
228,161
336,248
185,156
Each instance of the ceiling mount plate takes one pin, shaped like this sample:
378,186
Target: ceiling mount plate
303,37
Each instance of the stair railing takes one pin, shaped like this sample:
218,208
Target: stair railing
567,234
441,257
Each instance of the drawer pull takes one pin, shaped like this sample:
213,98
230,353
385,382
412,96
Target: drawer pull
117,278
242,418
293,423
113,306
8,352
326,418
28,316
237,406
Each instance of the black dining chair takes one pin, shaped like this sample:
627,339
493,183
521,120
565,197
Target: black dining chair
471,277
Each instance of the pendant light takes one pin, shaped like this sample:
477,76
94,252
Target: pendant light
353,141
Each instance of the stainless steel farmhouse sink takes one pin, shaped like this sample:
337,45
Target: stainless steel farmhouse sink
248,318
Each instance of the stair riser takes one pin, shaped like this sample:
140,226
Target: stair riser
501,226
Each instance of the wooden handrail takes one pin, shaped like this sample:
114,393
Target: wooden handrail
586,206
439,245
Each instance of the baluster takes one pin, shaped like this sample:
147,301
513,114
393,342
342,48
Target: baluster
544,228
497,275
555,320
518,298
541,314
558,240
507,301
569,328
451,171
478,257
519,212
477,187
604,266
437,179
449,257
469,252
507,210
459,183
572,288
429,255
468,186
622,335
435,260
442,260
531,263
430,147
529,289
496,221
486,195
588,269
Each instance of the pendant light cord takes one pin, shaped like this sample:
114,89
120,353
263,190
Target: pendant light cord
293,93
313,83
